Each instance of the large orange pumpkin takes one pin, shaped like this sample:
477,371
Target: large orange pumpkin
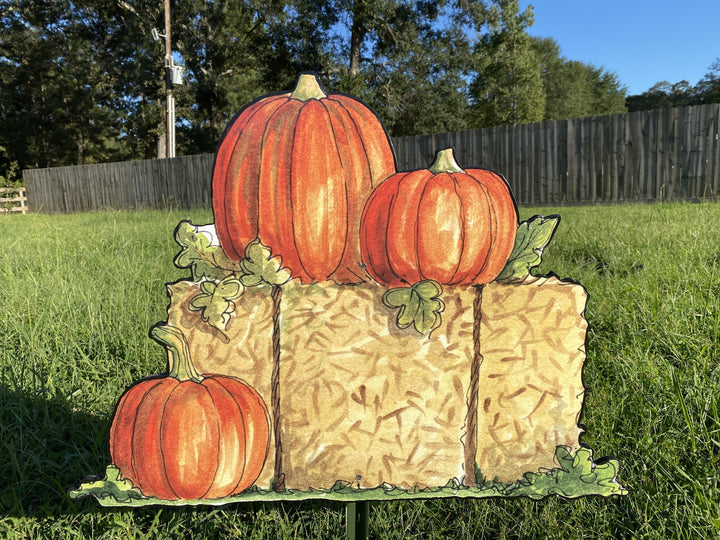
185,436
295,170
447,224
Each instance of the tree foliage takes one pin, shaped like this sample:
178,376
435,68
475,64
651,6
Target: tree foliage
679,94
574,89
507,88
83,81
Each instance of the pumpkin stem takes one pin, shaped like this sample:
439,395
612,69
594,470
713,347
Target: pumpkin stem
307,88
181,366
445,162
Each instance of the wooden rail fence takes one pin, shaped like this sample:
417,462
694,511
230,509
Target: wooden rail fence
13,200
659,155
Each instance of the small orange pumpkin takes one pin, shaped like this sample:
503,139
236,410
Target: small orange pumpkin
450,225
185,436
295,170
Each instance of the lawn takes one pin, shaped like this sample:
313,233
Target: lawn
79,293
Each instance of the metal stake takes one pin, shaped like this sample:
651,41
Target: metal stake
357,520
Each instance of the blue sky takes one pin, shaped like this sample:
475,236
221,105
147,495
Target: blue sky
642,42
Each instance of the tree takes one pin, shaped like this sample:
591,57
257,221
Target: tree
574,89
707,89
56,102
508,86
681,94
662,94
414,75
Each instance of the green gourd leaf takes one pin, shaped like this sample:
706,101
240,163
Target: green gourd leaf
419,305
112,487
531,239
205,259
216,300
259,266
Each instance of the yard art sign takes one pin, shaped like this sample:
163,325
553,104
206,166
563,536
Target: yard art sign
349,332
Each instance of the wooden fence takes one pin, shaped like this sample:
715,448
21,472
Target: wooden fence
13,200
183,182
659,155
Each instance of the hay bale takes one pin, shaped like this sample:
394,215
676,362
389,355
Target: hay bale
532,337
363,399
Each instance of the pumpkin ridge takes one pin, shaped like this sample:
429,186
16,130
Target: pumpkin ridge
417,231
326,273
492,226
394,213
227,158
276,235
165,480
455,182
302,270
345,102
120,409
368,248
498,186
361,140
390,210
248,406
264,421
161,447
252,199
438,246
216,460
189,400
474,187
361,172
346,240
345,166
244,432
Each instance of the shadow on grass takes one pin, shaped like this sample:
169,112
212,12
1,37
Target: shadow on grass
46,447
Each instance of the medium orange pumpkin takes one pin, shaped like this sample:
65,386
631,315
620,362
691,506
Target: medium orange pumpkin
447,224
295,170
185,436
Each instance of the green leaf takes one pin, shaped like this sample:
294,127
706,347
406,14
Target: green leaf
111,487
204,258
419,305
397,297
577,476
259,266
216,300
532,237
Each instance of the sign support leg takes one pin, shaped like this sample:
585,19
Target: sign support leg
357,520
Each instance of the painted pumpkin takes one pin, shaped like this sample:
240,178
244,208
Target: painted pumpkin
295,170
447,224
185,436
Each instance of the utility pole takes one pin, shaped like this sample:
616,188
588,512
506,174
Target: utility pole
169,98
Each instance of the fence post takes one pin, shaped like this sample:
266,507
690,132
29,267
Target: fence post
16,202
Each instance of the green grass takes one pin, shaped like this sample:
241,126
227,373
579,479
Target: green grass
80,292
